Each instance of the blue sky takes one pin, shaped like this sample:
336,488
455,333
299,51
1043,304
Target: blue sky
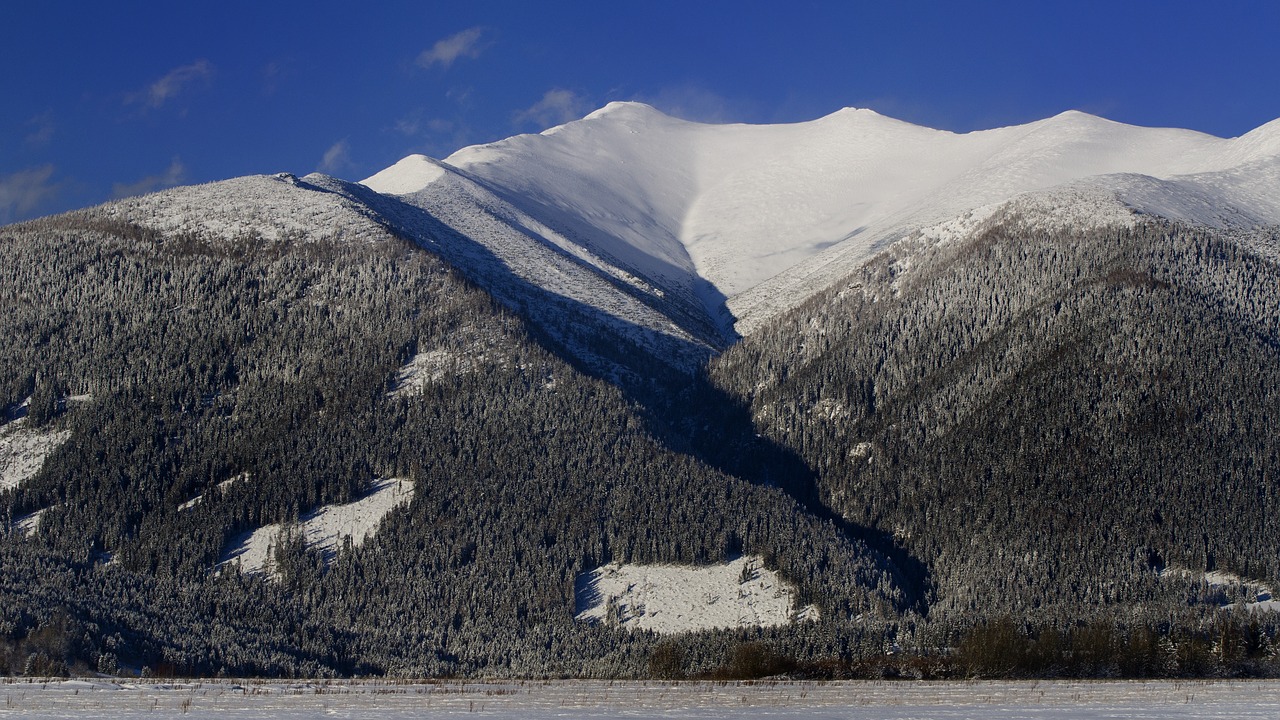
107,99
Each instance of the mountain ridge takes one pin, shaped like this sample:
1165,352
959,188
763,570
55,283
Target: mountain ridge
737,206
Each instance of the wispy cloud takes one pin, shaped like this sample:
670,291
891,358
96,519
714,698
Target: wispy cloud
461,96
273,73
337,157
556,106
41,130
464,44
408,126
699,104
23,192
171,85
434,136
173,175
417,124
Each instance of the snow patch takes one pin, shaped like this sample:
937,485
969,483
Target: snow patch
830,409
23,451
428,367
674,599
28,525
1254,595
325,529
861,450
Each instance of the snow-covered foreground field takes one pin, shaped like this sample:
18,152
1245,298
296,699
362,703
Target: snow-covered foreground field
228,700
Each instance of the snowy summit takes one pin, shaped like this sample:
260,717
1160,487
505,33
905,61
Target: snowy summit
758,217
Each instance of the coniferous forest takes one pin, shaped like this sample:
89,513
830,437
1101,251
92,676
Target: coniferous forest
1017,454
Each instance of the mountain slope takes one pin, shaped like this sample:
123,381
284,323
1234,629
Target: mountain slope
1046,415
248,343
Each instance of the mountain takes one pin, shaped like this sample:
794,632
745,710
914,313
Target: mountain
640,396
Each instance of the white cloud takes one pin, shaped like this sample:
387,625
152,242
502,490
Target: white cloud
557,106
172,84
446,51
24,191
173,175
337,157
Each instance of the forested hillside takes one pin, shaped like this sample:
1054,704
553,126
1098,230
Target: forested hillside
163,361
1060,424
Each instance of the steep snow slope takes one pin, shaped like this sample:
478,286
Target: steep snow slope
752,219
537,270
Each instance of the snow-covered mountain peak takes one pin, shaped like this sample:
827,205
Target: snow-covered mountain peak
866,116
853,110
1261,143
1080,117
410,175
625,108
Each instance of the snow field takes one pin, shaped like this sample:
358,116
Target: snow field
22,453
674,599
536,700
324,529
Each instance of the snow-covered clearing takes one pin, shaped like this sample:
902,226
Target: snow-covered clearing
324,529
221,487
23,450
428,367
27,525
538,700
675,598
1230,590
466,349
